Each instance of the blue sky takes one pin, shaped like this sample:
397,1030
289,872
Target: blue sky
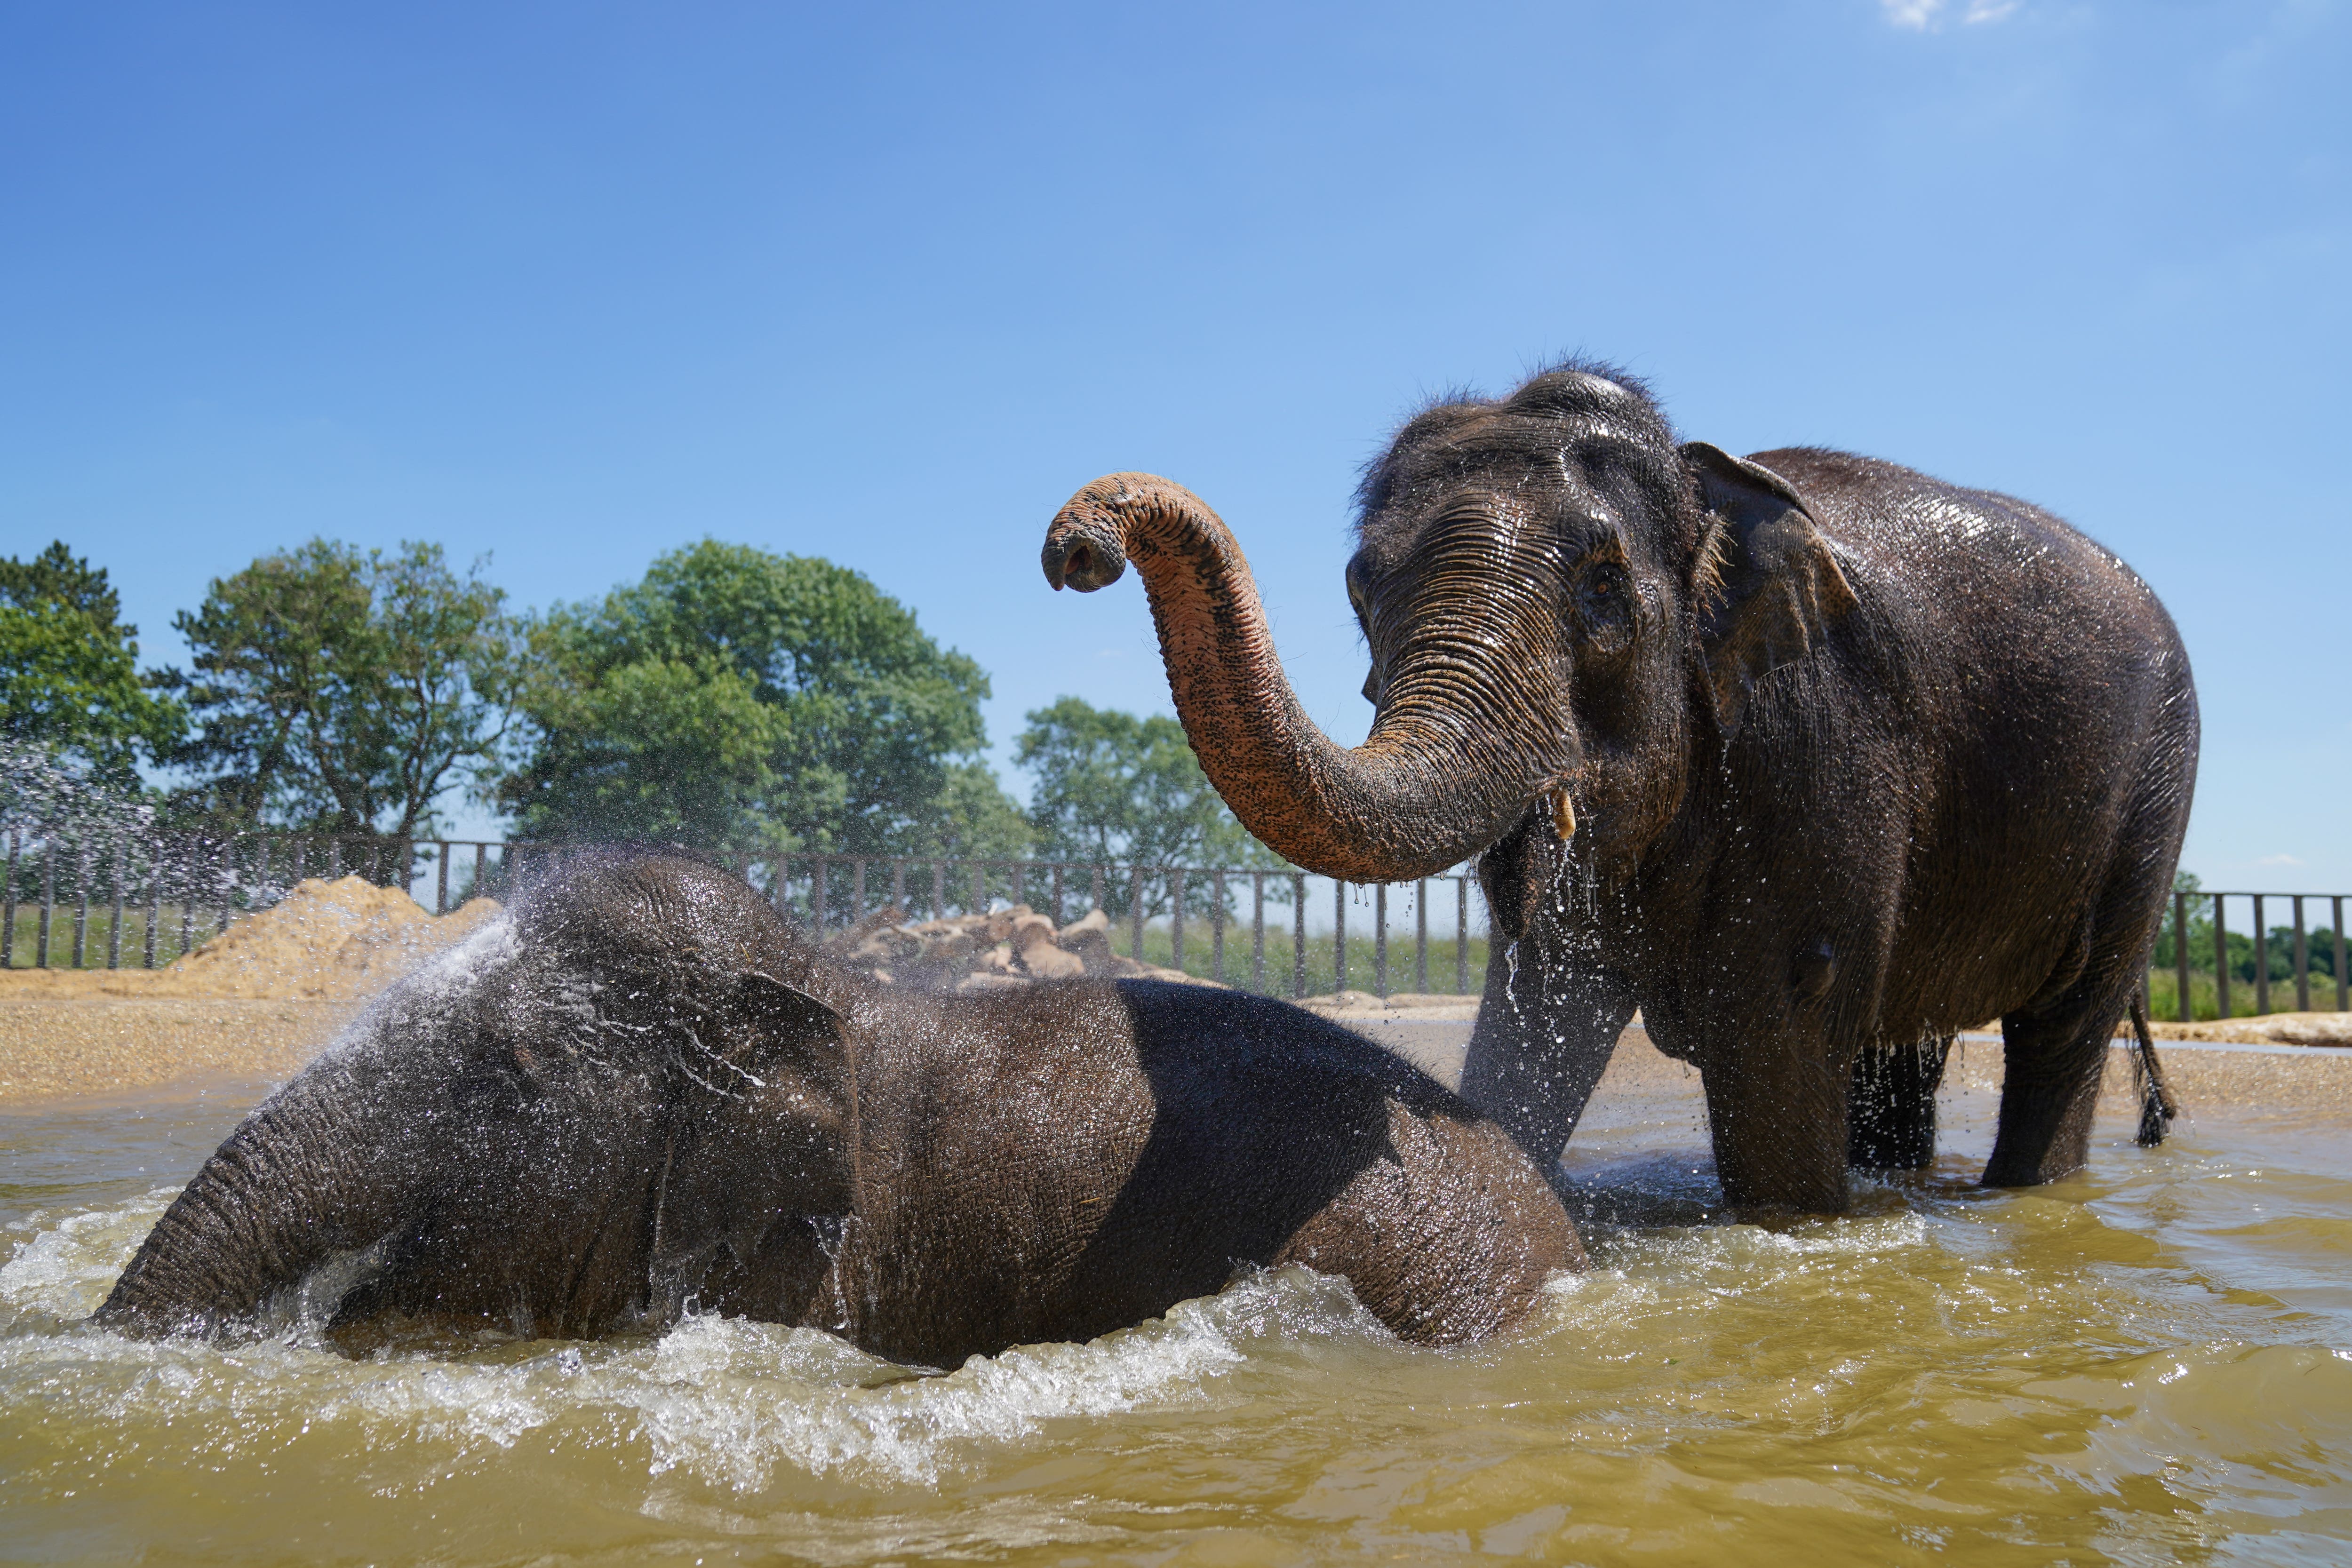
574,284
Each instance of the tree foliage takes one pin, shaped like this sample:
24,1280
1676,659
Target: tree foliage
343,690
69,678
1114,786
736,697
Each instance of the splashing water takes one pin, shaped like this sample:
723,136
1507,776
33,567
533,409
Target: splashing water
2151,1361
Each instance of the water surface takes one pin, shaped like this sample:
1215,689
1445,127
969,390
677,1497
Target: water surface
2149,1364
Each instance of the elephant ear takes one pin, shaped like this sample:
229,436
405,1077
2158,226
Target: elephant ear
1768,585
785,1018
777,1144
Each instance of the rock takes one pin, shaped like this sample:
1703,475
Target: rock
1002,948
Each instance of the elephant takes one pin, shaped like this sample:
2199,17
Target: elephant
644,1093
1812,759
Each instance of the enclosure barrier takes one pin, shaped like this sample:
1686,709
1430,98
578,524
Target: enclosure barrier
2299,959
168,894
101,902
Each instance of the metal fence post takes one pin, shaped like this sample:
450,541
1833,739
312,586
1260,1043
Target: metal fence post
154,913
48,899
81,904
939,890
8,905
2221,960
1095,891
2180,949
2301,961
1020,894
2262,960
1421,935
979,889
1298,935
114,911
228,880
1257,931
188,904
1135,915
1339,938
1176,917
898,886
2343,968
820,894
1460,935
1217,926
440,876
1058,904
1381,939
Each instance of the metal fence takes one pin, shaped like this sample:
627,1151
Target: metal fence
140,901
2298,961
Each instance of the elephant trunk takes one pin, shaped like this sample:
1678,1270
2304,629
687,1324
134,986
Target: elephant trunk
1431,784
309,1175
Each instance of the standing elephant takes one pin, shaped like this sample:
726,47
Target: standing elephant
1813,759
645,1089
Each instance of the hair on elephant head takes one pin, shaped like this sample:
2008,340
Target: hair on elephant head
645,1090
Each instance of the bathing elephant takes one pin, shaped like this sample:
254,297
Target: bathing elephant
1813,759
644,1090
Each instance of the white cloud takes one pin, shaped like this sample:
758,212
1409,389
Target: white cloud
1928,15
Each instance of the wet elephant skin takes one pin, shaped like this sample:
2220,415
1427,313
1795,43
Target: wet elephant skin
1814,759
645,1094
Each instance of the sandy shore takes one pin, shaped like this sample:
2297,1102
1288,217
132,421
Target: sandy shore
103,1046
56,1048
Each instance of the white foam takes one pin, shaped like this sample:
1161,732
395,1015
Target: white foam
727,1401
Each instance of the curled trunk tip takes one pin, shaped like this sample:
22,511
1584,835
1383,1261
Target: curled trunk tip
1431,786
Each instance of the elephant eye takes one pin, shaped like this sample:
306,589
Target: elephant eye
1604,603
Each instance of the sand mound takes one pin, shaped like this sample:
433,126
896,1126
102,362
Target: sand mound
324,941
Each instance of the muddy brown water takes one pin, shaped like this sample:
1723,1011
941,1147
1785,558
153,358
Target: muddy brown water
2151,1363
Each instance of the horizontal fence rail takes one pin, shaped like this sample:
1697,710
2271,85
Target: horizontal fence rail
142,902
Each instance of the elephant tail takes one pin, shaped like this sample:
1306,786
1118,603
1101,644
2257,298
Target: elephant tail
2157,1106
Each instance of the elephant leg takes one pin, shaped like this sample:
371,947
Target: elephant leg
1890,1116
2054,1048
1778,1111
2051,1066
1543,1037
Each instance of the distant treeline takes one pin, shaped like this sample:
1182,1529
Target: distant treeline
730,697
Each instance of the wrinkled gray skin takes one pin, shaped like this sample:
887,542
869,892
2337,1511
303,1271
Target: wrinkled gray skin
1850,758
661,1094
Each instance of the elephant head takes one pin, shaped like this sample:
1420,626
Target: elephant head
1562,605
606,1102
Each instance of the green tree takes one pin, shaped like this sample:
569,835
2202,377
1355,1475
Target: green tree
343,690
735,697
69,678
1113,786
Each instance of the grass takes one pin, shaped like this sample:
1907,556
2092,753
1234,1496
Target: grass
24,951
2164,996
1322,951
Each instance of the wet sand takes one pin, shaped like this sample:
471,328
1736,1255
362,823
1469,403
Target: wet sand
96,1048
82,1048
